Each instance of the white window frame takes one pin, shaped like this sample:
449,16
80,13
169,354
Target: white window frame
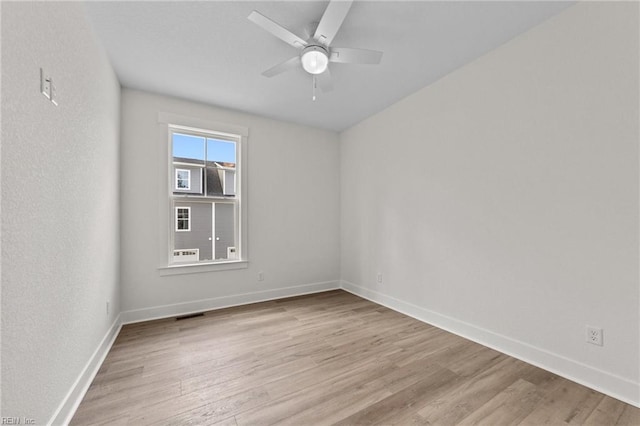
179,219
169,123
188,187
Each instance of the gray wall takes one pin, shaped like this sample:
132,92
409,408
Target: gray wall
60,204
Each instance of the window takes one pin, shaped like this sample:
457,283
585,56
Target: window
183,216
183,179
205,197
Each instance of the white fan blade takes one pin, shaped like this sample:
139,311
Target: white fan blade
324,81
331,21
282,67
347,55
277,30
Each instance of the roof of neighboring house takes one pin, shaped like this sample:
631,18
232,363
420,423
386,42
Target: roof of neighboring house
214,184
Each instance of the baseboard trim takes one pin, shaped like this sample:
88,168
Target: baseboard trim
186,308
72,400
601,381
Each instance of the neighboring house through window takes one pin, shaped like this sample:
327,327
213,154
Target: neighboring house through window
205,196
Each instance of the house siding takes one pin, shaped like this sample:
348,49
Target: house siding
229,182
224,229
196,180
200,232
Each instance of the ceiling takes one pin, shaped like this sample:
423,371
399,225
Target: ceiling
210,52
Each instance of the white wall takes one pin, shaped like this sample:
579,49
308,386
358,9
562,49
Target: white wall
293,175
60,204
502,201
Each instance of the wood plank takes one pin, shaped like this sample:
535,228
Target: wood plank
297,400
207,413
566,402
608,412
506,408
340,405
404,401
630,416
454,406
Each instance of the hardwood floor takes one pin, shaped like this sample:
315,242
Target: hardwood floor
328,358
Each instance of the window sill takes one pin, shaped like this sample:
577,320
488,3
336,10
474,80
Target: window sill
195,268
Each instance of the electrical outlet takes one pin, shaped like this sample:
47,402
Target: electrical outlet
260,276
594,336
379,278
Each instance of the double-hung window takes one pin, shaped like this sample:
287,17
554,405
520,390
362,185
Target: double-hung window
183,216
205,196
183,179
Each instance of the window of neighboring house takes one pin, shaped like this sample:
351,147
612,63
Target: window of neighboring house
183,179
183,219
205,197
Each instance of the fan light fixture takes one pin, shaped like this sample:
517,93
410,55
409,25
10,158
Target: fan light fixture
315,59
315,52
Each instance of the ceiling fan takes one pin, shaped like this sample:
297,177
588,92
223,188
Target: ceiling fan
316,52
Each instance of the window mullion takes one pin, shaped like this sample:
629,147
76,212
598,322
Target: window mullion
204,172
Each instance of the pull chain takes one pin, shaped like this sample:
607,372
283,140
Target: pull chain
314,88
